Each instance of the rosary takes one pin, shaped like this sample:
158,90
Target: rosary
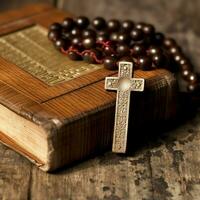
122,45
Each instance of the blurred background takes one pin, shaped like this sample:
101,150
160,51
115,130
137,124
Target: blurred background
178,18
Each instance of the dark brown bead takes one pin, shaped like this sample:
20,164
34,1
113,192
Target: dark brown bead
99,23
183,61
55,26
127,25
158,60
74,56
123,38
90,56
154,50
178,57
158,38
108,50
113,25
148,29
127,59
82,22
89,42
66,34
75,32
53,35
185,74
193,87
140,25
68,23
185,67
123,50
145,63
174,50
110,63
101,38
138,50
192,77
114,37
60,43
136,34
169,42
88,33
76,41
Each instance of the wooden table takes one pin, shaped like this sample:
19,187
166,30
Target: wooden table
165,168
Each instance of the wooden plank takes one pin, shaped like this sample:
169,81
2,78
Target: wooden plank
26,11
16,4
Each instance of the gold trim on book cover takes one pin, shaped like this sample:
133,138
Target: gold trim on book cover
31,50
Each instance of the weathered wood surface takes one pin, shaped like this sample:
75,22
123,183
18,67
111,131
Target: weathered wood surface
165,169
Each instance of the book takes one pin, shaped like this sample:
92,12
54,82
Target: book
55,111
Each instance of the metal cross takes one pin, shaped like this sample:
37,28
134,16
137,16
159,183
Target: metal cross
124,84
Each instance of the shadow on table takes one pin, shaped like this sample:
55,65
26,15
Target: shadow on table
144,137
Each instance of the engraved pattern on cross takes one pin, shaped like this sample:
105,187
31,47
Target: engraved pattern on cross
123,84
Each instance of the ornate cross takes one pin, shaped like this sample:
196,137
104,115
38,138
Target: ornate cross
124,84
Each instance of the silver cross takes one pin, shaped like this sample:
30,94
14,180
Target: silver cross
124,84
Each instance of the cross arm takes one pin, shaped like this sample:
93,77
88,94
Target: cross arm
111,83
137,84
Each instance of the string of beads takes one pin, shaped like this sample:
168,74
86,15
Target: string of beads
109,42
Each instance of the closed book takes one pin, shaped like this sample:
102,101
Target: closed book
55,111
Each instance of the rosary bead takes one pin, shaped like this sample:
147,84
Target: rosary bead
185,74
108,50
89,57
178,57
193,87
123,50
89,42
74,56
144,63
148,29
127,59
75,32
76,41
66,34
82,22
192,77
99,23
138,50
159,38
60,43
110,63
53,35
174,50
113,25
140,25
169,42
123,38
68,23
127,25
154,50
88,33
158,60
55,26
114,37
136,34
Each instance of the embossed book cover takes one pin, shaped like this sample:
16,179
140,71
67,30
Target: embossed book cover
56,111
